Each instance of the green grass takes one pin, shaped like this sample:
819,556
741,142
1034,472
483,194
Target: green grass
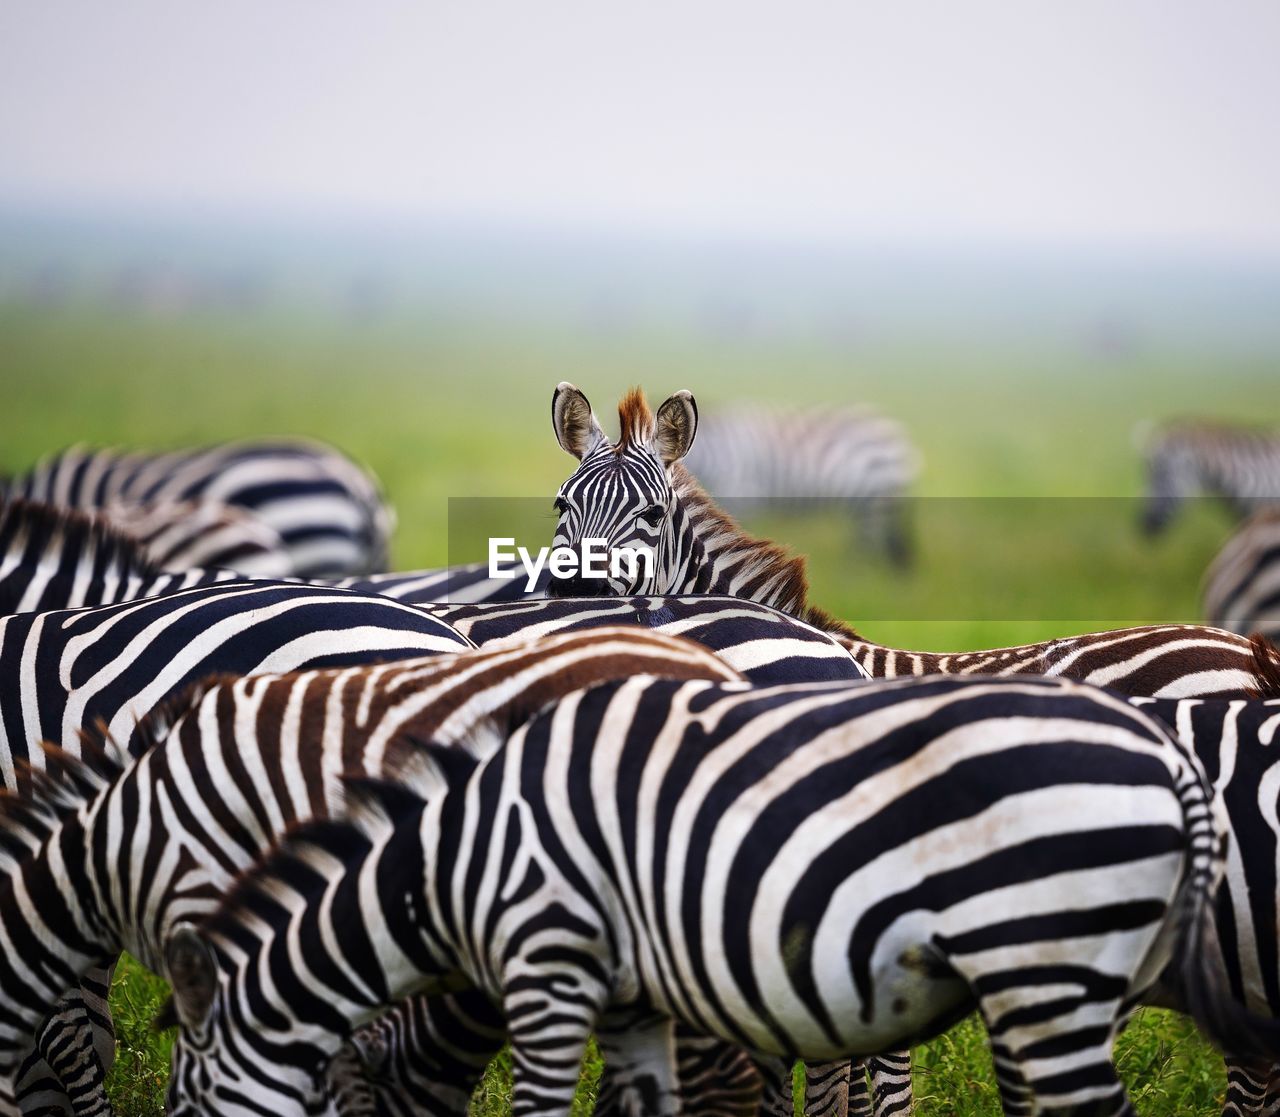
442,411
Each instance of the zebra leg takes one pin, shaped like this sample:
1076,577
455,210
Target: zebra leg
776,1094
829,1089
1079,1081
550,1017
891,1083
38,1092
68,1042
716,1078
1247,1088
640,1052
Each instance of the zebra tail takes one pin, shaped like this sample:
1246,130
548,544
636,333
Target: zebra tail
1266,665
1198,972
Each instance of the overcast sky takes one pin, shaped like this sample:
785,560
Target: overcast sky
1097,123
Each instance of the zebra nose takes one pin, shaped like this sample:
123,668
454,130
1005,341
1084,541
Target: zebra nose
577,586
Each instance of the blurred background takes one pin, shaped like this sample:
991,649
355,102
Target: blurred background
1019,230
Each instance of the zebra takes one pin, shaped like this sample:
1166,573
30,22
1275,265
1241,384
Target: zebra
114,857
893,855
635,493
51,559
1238,465
861,461
766,645
64,672
1241,590
186,534
328,511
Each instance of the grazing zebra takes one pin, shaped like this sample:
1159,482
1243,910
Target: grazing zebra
64,672
850,457
765,645
1238,465
55,559
328,511
1242,585
815,870
121,853
188,534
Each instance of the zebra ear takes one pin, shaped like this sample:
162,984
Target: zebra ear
575,424
677,423
193,974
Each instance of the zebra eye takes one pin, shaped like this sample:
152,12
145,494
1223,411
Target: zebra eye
560,505
653,515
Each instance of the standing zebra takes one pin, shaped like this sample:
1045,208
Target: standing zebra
328,511
1242,585
62,673
850,457
1238,465
815,870
120,853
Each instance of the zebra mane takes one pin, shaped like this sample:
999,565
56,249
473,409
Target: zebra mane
769,563
32,527
1266,665
45,797
635,420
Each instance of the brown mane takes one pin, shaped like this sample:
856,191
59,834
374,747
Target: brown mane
1266,665
635,420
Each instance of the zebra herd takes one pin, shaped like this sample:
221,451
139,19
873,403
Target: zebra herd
372,827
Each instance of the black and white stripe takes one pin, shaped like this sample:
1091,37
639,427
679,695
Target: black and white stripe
849,458
1239,466
328,511
125,852
813,870
1241,590
763,644
64,672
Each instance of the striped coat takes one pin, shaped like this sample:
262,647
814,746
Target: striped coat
116,856
327,510
793,869
1241,590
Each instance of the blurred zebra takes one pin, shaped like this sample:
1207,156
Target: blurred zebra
193,534
635,493
807,870
849,458
118,854
63,673
1237,465
328,511
51,558
1242,585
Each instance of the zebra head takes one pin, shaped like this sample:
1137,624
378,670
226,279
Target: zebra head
213,1071
622,499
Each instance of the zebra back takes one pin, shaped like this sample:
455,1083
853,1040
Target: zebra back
1241,588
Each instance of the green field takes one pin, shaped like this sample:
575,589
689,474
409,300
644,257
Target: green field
462,411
